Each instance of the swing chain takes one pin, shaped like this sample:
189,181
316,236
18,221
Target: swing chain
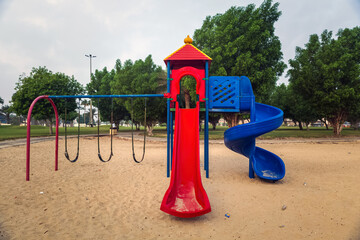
111,133
132,132
78,137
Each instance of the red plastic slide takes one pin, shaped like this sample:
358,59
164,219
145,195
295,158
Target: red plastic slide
186,196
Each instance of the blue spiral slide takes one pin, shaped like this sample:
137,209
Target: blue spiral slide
235,94
241,139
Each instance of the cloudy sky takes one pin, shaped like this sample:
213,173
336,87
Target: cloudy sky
58,33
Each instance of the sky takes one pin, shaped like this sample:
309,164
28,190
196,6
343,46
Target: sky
58,33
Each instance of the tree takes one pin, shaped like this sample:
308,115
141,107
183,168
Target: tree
354,118
6,110
101,85
141,77
188,92
214,119
2,112
327,74
41,81
293,105
300,109
84,103
280,98
242,41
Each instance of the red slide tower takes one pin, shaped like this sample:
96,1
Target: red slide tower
186,196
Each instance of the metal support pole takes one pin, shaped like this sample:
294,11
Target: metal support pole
28,135
206,130
171,138
168,122
107,96
91,114
252,119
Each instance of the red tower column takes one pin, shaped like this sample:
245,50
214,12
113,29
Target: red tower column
186,196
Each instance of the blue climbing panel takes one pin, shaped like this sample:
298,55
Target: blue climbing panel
224,94
230,94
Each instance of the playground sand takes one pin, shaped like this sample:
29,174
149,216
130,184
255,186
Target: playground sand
319,198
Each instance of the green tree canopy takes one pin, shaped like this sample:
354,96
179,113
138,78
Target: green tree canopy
242,41
327,74
42,81
6,111
101,85
141,77
294,106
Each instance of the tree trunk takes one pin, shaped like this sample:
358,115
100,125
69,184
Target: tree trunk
117,123
187,98
307,126
213,125
300,126
337,129
150,130
231,119
8,118
337,122
242,119
326,125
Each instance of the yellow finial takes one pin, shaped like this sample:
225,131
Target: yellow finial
188,40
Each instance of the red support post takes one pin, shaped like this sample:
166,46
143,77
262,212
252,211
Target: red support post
28,134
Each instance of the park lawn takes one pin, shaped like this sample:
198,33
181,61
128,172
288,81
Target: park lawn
13,132
280,133
314,132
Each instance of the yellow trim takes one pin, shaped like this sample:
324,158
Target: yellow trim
184,46
174,52
201,52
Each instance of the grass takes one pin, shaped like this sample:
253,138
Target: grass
314,132
282,132
13,132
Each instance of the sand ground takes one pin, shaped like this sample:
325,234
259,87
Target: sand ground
319,198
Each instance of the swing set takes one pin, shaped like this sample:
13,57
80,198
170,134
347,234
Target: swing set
66,153
111,134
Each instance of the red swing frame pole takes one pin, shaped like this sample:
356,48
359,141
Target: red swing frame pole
28,123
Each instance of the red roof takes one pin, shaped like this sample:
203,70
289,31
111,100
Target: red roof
188,52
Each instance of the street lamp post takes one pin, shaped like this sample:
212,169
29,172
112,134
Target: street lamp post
91,117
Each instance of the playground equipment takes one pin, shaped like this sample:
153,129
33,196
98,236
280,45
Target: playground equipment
49,98
186,196
78,138
235,94
132,133
111,134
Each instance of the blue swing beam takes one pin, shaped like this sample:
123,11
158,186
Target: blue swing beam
169,120
107,96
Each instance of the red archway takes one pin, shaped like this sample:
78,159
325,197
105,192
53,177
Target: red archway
28,134
178,74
